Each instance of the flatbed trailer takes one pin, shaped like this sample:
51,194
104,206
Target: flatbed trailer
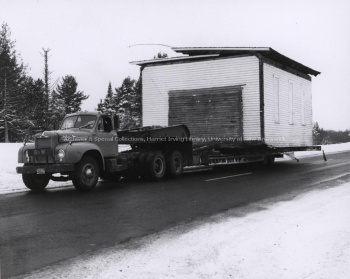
208,153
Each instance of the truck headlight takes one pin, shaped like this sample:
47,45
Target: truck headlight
61,154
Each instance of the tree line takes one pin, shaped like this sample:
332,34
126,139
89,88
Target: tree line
125,101
29,105
321,136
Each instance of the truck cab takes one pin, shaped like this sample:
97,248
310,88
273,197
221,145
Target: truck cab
83,137
99,129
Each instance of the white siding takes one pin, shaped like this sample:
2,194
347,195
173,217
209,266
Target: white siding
157,81
285,133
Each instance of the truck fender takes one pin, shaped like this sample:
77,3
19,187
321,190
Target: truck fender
76,150
21,151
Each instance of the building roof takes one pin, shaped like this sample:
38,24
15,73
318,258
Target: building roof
213,52
231,51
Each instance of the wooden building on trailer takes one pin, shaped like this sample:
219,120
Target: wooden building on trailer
249,94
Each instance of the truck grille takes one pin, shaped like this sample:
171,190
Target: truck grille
42,143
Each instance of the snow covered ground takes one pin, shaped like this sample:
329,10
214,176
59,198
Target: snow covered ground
11,182
307,237
328,149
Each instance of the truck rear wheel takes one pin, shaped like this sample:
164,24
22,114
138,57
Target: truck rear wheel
35,182
174,164
155,165
86,175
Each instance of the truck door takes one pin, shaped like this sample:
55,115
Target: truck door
105,137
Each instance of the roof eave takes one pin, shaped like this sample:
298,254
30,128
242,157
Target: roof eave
173,59
194,51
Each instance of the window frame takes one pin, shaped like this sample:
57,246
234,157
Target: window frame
291,102
302,104
276,99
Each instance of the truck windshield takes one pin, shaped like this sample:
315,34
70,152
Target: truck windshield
79,121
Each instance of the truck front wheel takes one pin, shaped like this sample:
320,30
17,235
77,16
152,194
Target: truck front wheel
86,175
35,181
155,165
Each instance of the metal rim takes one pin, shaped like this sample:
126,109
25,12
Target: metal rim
177,164
158,166
88,174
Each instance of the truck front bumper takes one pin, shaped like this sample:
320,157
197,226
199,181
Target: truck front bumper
42,169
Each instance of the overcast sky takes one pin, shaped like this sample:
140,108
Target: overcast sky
90,39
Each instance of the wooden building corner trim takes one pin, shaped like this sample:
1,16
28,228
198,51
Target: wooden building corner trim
261,94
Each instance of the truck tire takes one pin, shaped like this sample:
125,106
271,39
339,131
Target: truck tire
174,164
155,166
86,175
35,182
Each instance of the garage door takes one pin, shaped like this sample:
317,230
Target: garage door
208,112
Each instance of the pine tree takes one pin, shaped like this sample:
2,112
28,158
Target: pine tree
100,106
12,75
128,103
66,95
35,105
316,133
108,104
57,112
137,109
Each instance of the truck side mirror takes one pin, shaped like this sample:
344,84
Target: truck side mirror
116,122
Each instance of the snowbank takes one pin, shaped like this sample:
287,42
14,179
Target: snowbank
328,149
308,237
11,182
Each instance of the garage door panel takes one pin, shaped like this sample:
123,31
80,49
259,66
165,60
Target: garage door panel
208,112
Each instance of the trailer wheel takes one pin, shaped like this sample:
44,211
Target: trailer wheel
174,163
155,165
35,182
86,175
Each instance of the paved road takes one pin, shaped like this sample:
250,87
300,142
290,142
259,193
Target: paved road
38,229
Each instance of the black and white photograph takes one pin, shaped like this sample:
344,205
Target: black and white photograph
175,139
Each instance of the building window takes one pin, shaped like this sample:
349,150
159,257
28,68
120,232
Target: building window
290,102
276,95
302,100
